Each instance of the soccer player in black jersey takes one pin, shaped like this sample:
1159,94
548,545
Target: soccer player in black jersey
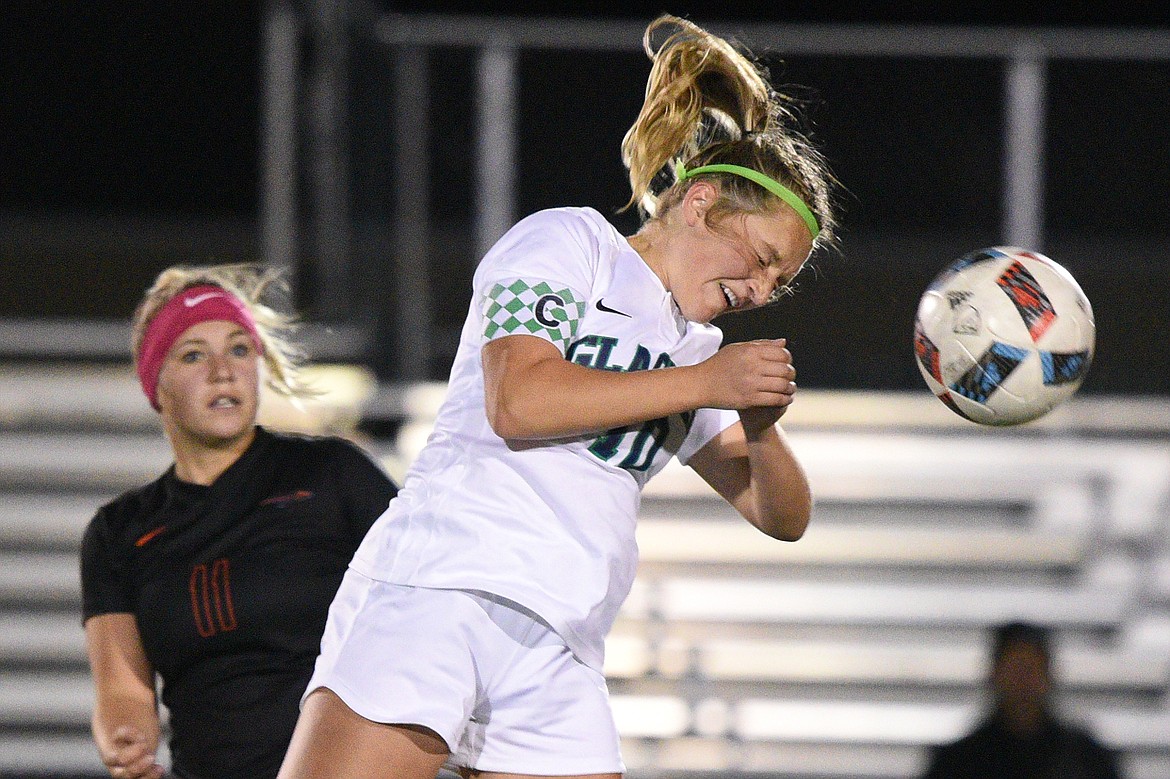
217,576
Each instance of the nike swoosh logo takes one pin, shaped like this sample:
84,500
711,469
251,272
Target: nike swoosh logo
283,500
602,307
148,537
192,302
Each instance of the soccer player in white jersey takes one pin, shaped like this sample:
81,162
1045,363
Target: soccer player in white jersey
470,628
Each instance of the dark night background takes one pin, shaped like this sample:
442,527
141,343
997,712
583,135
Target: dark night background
131,141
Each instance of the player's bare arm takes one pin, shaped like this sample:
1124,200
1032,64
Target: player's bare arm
125,716
531,391
756,471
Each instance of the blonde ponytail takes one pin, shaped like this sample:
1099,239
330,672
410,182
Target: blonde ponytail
707,103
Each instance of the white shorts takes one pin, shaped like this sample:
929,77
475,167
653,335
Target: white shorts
490,677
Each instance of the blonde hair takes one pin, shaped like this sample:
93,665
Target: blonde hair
707,103
249,283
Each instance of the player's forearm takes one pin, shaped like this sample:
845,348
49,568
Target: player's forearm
114,710
554,398
778,500
125,717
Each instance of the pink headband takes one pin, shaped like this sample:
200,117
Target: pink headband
204,303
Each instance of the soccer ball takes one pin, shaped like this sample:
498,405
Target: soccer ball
1003,336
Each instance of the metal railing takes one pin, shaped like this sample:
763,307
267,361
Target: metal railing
304,112
498,42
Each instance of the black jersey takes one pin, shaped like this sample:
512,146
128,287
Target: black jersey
1057,750
230,584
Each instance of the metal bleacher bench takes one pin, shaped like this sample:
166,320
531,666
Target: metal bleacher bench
847,653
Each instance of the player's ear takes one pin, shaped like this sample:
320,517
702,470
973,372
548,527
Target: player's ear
697,201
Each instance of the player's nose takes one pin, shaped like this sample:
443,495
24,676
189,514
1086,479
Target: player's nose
764,286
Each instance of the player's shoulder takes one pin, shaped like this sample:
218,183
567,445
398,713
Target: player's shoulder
563,246
326,450
568,218
130,507
1080,733
968,745
580,224
304,446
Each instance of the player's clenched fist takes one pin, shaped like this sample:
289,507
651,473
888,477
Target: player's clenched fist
751,374
129,756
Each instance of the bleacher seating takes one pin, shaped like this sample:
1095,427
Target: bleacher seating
846,654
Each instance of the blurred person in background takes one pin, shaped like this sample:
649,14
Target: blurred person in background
217,576
1022,737
470,627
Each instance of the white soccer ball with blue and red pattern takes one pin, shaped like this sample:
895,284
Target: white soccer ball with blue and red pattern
1004,335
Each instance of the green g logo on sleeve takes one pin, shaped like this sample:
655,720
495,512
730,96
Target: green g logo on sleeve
530,309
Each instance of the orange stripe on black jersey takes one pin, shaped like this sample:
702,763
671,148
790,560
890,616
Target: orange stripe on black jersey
150,536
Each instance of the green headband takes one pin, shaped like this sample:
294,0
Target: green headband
768,183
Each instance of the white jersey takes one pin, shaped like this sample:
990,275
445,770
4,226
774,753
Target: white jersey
548,524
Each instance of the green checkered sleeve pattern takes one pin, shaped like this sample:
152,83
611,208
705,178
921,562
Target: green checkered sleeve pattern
532,309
